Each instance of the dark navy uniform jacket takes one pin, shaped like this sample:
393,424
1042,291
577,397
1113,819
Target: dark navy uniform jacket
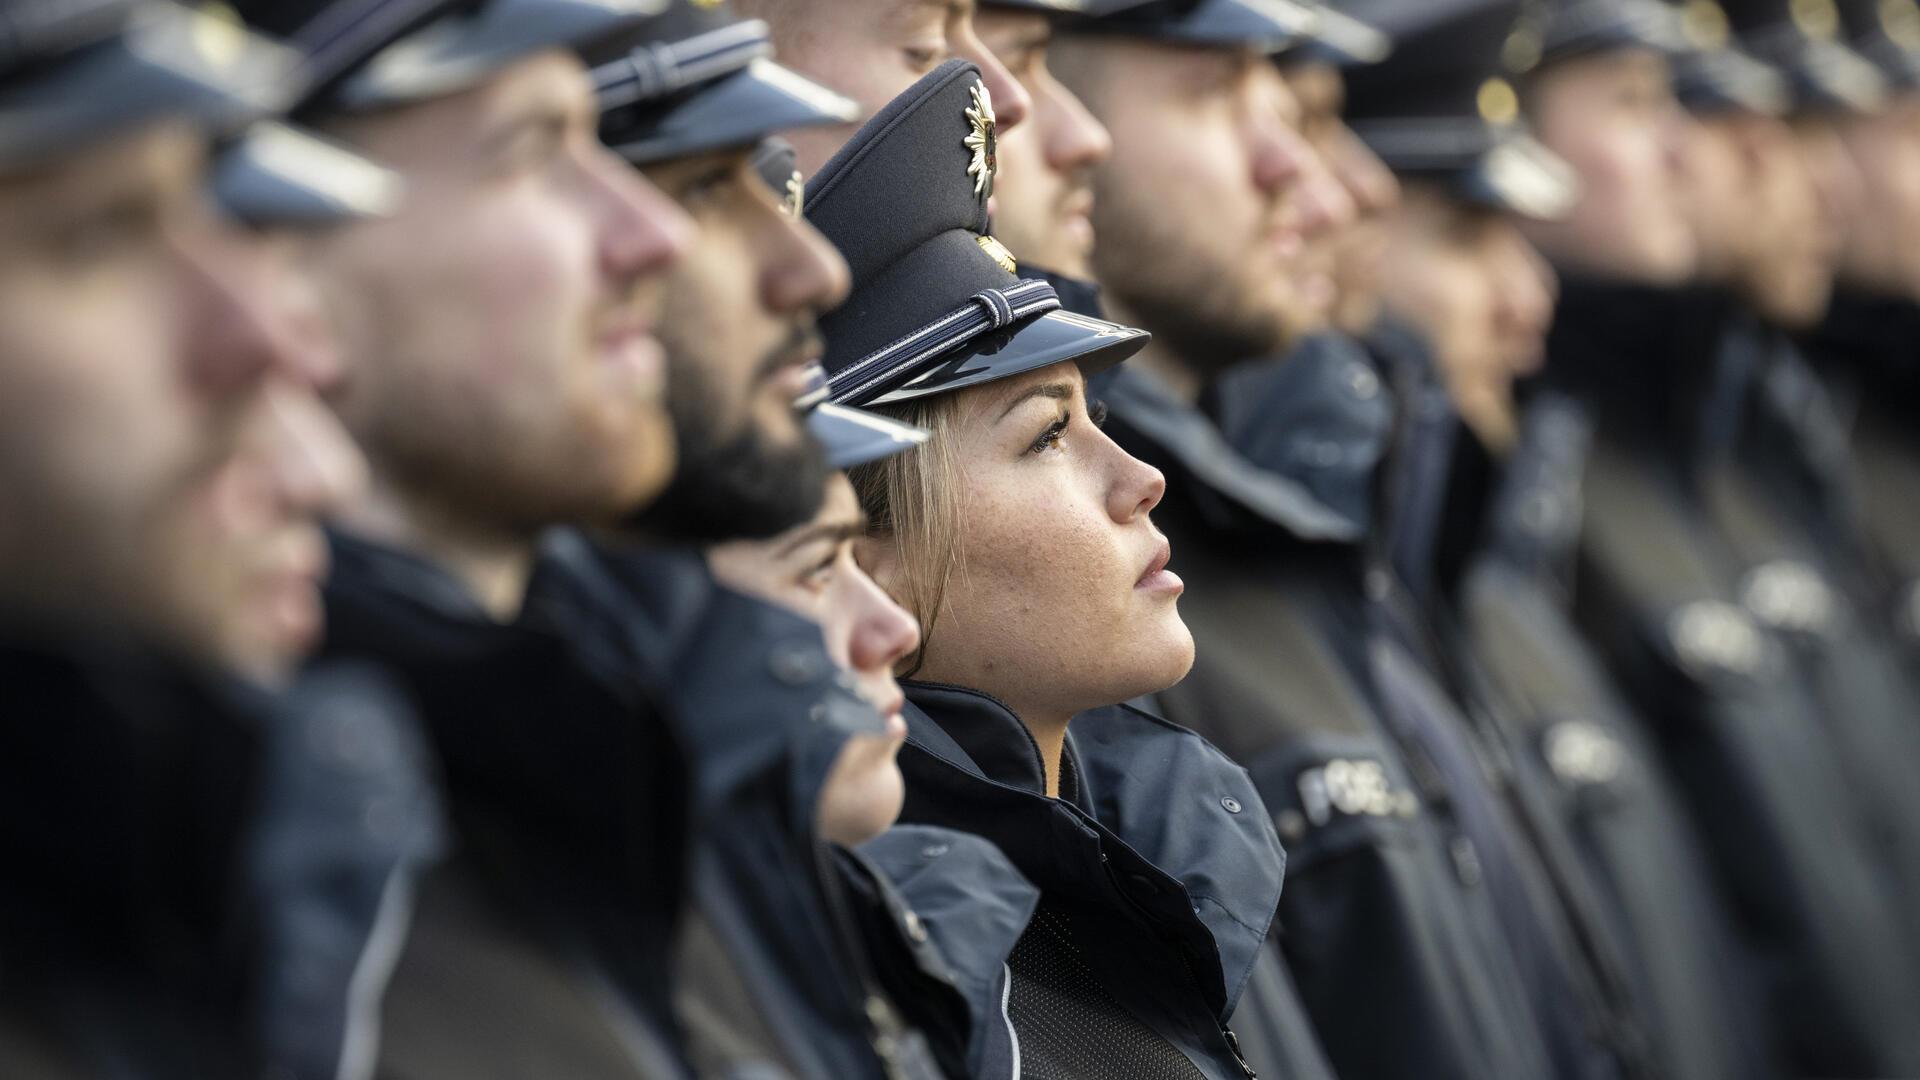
1867,355
1661,592
840,972
203,880
1158,862
1491,561
1414,929
543,947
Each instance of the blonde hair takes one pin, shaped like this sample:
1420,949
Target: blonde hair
914,501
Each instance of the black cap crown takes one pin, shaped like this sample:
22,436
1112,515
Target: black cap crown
705,80
1270,26
1444,106
369,54
936,304
75,71
1575,27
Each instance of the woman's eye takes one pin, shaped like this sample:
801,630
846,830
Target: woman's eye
1049,438
1097,412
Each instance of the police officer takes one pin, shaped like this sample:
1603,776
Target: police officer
1149,914
1660,586
503,377
1861,346
1274,471
1488,546
167,912
797,958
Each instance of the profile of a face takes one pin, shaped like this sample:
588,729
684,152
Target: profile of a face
1025,532
1220,272
811,571
510,302
164,458
1882,245
740,336
1044,195
872,51
1467,278
1802,184
1613,117
1369,187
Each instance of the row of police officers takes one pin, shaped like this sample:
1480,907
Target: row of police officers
1068,539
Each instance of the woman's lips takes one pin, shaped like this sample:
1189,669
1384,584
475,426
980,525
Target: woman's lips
1158,578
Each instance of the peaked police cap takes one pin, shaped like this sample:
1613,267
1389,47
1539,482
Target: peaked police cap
936,305
76,71
705,80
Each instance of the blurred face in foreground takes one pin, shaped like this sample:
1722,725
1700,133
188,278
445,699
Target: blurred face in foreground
151,358
811,570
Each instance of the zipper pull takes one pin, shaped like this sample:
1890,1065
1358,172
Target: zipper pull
1233,1044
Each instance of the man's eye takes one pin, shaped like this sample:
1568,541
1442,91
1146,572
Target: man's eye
819,577
926,57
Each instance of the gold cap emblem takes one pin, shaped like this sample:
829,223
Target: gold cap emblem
999,252
1818,19
986,163
1704,24
1497,102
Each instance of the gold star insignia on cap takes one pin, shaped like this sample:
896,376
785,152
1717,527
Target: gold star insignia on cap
980,140
1497,102
1704,24
999,252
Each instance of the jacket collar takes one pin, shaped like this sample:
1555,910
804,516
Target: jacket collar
1320,416
558,774
1159,801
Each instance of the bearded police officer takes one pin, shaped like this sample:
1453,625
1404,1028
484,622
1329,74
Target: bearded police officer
796,958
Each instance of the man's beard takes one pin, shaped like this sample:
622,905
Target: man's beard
731,485
1144,268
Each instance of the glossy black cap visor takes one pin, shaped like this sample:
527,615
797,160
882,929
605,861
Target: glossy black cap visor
738,109
1041,341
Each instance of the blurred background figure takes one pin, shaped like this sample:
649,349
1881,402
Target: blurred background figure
168,466
1672,537
1863,351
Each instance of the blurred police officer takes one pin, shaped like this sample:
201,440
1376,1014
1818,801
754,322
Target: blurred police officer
1483,511
1863,347
161,808
502,376
1661,585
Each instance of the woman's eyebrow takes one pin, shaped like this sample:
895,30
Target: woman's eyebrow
1060,391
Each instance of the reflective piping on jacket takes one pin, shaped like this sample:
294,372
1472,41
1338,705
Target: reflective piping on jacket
360,1041
1006,1017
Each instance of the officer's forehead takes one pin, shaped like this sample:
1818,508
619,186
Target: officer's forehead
918,12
